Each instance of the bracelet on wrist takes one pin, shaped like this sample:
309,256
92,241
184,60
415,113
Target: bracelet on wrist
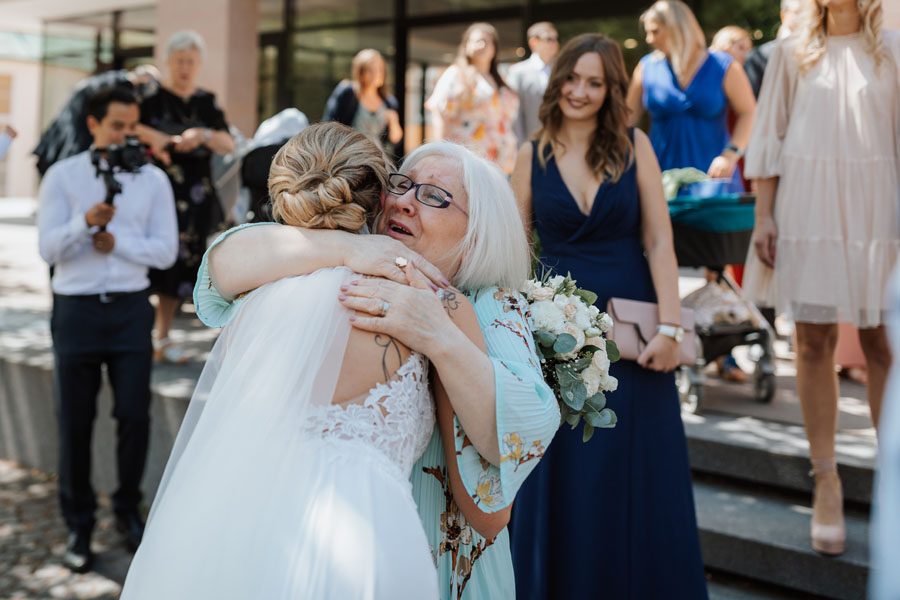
735,149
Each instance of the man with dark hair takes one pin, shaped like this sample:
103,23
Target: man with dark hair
68,133
529,78
101,312
755,65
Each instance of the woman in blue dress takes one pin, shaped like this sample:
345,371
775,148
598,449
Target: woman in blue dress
613,517
687,91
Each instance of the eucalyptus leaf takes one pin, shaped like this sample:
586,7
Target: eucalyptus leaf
590,348
573,419
609,418
566,376
612,351
588,432
597,402
588,296
582,363
564,343
545,338
575,396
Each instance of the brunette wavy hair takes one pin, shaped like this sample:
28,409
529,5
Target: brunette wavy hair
611,151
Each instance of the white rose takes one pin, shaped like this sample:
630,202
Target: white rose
591,378
556,281
528,287
600,361
609,383
594,311
605,323
570,311
582,315
543,293
594,340
592,332
546,316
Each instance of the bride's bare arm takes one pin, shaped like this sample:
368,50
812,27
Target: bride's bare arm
254,256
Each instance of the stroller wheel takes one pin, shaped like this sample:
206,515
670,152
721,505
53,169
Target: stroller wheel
764,387
690,391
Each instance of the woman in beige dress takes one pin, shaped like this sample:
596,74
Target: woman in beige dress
824,151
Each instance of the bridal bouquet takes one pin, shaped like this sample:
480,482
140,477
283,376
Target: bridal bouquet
575,357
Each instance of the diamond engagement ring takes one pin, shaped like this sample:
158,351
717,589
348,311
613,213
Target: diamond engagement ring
385,305
401,262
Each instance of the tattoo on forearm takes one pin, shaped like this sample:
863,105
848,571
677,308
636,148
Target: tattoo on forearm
387,342
448,299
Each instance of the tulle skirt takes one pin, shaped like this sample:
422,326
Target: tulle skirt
343,527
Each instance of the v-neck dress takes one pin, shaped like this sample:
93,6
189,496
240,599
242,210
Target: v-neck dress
621,504
688,125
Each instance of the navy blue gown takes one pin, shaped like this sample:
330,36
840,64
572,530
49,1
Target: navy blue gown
612,518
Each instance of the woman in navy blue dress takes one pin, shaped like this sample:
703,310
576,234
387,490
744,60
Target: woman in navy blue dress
613,517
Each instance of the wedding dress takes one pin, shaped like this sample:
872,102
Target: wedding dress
273,492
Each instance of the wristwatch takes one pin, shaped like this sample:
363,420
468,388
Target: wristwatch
676,332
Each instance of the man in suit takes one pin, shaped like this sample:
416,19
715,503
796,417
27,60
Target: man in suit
101,311
529,78
755,65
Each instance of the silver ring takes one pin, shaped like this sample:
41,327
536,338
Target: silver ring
385,305
401,262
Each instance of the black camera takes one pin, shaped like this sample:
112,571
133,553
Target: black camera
127,157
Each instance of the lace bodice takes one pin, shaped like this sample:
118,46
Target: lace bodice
396,418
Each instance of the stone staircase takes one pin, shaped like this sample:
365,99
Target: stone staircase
753,495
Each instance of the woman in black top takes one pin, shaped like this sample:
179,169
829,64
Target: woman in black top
184,126
364,103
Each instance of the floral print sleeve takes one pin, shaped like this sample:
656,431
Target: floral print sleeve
212,309
527,411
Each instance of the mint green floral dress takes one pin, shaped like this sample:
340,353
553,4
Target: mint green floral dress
470,567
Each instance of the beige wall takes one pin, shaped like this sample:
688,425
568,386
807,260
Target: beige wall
232,48
20,174
891,14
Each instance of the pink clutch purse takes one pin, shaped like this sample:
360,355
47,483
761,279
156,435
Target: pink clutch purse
635,322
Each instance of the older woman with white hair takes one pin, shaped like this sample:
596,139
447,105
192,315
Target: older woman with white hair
184,126
453,216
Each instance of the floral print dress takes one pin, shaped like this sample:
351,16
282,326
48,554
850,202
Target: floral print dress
470,567
476,114
197,205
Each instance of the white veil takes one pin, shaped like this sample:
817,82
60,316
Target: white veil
237,467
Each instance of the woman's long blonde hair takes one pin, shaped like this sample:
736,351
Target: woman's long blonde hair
812,37
683,33
362,60
328,176
610,152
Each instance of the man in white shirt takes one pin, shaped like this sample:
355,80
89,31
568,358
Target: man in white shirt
529,78
101,312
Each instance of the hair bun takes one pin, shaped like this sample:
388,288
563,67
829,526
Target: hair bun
327,177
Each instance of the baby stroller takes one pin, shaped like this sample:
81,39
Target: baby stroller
712,228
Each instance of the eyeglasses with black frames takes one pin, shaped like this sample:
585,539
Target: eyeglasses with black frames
426,193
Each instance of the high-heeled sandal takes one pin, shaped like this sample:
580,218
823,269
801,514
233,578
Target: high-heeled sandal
827,539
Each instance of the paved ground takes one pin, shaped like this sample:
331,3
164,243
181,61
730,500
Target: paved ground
33,539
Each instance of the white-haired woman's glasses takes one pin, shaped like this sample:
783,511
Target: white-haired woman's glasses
426,193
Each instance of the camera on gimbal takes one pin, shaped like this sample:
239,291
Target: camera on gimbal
128,157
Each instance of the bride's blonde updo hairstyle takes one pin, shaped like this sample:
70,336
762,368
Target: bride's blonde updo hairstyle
328,176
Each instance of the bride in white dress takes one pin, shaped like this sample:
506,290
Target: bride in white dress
290,475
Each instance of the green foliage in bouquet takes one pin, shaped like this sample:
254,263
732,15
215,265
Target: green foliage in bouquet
575,356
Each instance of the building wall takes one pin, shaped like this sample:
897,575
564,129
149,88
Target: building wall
19,176
229,28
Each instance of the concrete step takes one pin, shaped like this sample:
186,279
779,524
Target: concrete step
725,586
762,534
775,454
